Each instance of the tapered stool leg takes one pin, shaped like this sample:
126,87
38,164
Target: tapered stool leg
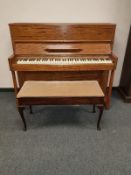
30,109
101,108
20,109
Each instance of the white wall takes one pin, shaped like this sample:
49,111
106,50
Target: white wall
114,11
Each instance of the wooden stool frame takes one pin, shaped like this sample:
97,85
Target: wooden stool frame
100,107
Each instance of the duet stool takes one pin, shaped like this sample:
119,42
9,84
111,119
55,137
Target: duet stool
60,93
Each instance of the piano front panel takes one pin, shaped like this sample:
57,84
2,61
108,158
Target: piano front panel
62,48
101,76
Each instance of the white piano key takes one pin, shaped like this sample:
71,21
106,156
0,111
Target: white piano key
64,61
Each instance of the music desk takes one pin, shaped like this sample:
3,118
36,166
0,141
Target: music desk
60,93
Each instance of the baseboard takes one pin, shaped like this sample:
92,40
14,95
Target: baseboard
6,89
115,88
125,97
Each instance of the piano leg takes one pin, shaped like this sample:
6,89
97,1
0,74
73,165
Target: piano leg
94,109
101,108
110,89
20,109
30,107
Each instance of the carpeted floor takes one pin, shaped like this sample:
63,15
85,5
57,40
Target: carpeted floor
64,140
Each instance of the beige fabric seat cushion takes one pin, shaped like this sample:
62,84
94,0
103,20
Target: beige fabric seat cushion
60,89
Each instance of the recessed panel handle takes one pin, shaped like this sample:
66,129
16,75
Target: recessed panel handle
63,50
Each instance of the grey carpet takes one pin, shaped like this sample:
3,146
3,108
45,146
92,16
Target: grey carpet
64,140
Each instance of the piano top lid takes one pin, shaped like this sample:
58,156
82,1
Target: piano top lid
62,33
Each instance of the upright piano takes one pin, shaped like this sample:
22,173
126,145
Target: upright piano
63,52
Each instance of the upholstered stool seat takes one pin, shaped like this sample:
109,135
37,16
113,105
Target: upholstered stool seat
60,89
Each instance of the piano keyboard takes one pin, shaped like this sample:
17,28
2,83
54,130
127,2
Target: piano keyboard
64,61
